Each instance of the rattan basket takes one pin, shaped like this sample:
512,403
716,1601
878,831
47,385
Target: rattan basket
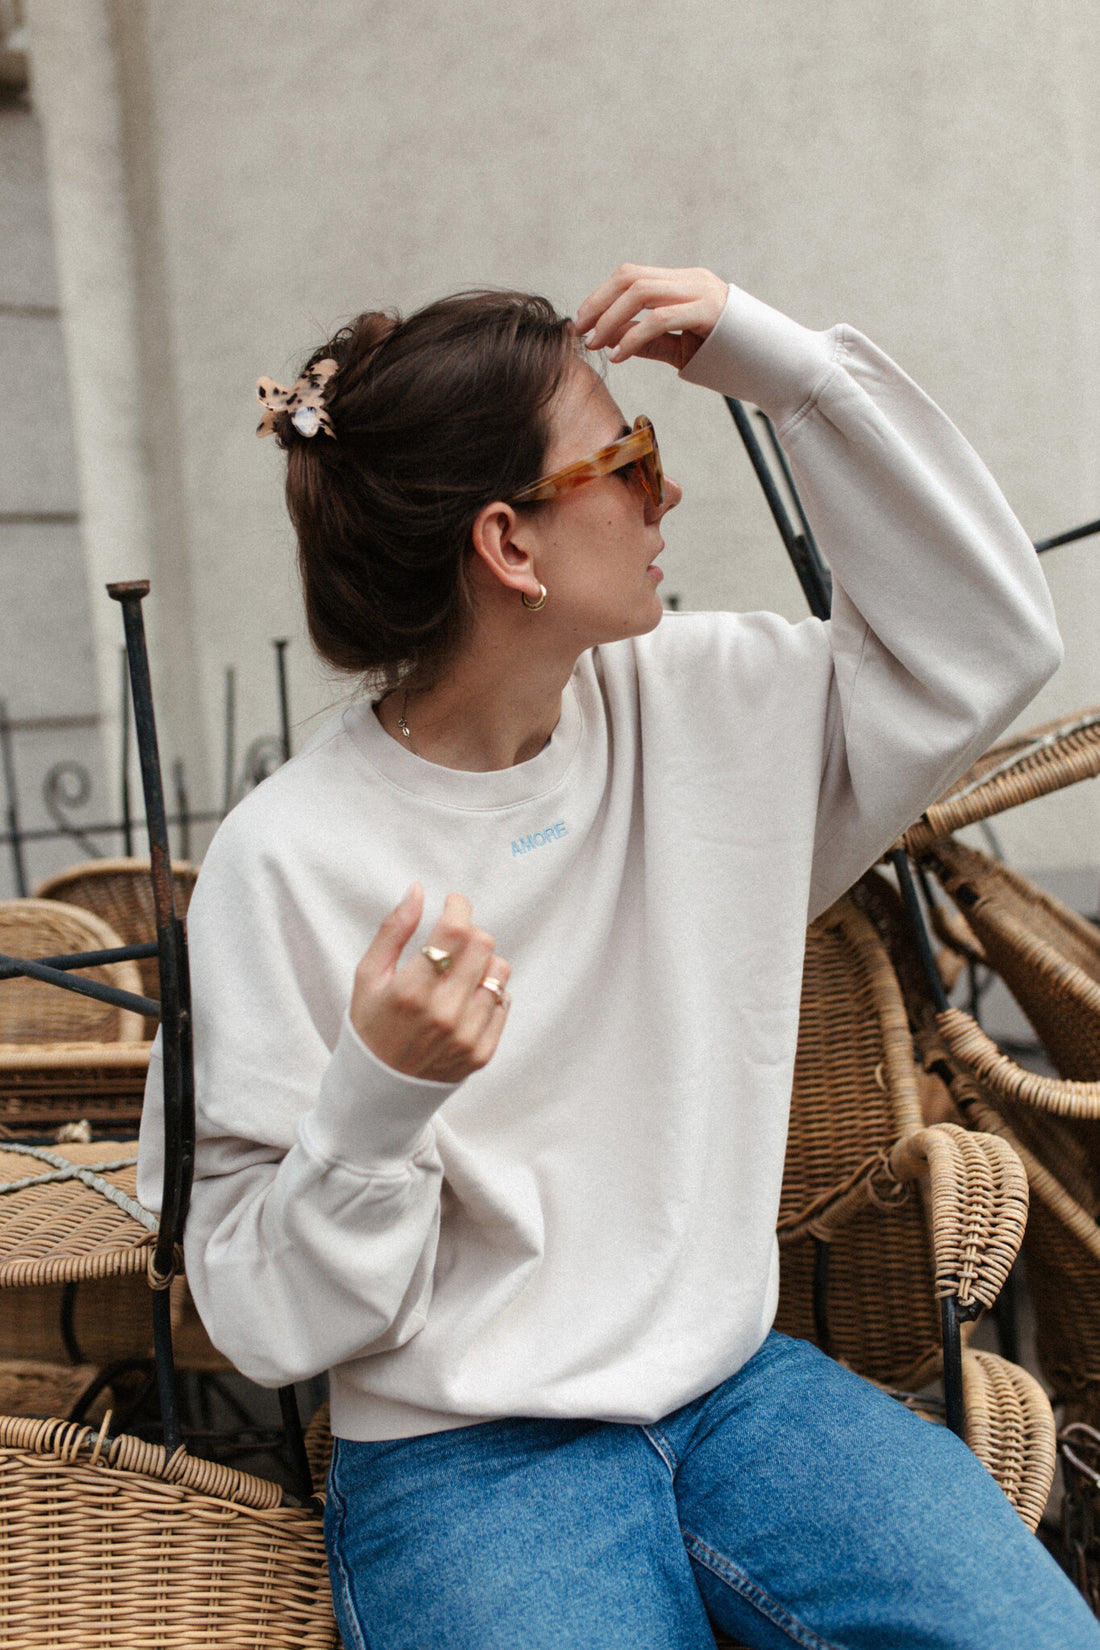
108,1547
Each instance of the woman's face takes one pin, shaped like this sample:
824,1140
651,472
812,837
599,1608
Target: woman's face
595,549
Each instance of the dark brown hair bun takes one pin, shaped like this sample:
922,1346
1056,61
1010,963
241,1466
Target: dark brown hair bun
434,416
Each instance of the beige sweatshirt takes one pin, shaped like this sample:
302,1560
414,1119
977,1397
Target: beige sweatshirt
586,1227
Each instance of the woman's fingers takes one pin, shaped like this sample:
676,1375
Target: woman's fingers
658,314
384,952
433,1017
451,938
665,334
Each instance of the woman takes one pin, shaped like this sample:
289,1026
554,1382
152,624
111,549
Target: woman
504,1154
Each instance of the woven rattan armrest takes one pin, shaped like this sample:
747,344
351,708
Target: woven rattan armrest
1062,1243
1015,771
1044,1185
978,1205
1010,1428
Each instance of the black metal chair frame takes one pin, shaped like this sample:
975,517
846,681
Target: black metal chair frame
174,1012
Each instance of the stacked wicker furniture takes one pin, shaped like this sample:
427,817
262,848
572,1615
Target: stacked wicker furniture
1049,957
106,1541
119,892
63,1056
857,1152
51,1042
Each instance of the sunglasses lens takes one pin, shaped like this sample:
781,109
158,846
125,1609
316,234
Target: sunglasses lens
653,479
648,467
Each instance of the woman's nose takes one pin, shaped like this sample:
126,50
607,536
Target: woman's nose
673,494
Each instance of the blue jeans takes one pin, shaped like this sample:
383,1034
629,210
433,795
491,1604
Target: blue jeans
795,1505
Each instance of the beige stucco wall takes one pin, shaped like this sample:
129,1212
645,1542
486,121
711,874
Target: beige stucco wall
925,172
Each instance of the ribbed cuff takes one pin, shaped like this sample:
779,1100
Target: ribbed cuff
369,1116
757,354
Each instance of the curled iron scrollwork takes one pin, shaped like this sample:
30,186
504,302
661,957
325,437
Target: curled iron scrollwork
68,785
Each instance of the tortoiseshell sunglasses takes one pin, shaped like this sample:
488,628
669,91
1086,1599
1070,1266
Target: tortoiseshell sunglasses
639,449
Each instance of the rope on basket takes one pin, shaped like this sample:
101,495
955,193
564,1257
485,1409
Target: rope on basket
87,1173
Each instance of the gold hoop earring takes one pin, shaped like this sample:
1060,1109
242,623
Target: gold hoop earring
533,607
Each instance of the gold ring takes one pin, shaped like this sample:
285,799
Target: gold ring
441,961
491,983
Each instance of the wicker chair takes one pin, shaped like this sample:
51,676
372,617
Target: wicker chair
65,1057
120,891
882,1261
174,1551
1041,1118
112,1541
34,1013
74,1250
857,1138
62,1057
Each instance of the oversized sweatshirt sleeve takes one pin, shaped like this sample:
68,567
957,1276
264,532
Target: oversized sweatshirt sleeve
314,1216
942,628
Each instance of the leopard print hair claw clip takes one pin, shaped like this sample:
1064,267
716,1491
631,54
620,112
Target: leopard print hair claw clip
304,401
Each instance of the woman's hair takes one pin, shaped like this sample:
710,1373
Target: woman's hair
434,417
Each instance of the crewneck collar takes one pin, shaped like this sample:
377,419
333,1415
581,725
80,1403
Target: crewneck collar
456,787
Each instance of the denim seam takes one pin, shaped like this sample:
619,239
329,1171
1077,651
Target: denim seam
338,1569
663,1447
752,1593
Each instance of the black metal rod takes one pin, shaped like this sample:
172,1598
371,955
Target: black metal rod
15,836
11,967
1006,1316
1068,538
952,1366
899,860
182,818
175,1003
284,698
88,959
73,1348
798,550
166,1370
127,833
296,1443
108,1376
821,1295
785,469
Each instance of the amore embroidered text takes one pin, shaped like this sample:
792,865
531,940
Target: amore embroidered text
539,839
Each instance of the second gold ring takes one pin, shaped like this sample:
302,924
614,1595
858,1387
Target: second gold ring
491,983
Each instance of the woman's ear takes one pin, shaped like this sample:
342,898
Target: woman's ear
495,532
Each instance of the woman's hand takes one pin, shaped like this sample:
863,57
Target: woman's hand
423,1022
657,314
